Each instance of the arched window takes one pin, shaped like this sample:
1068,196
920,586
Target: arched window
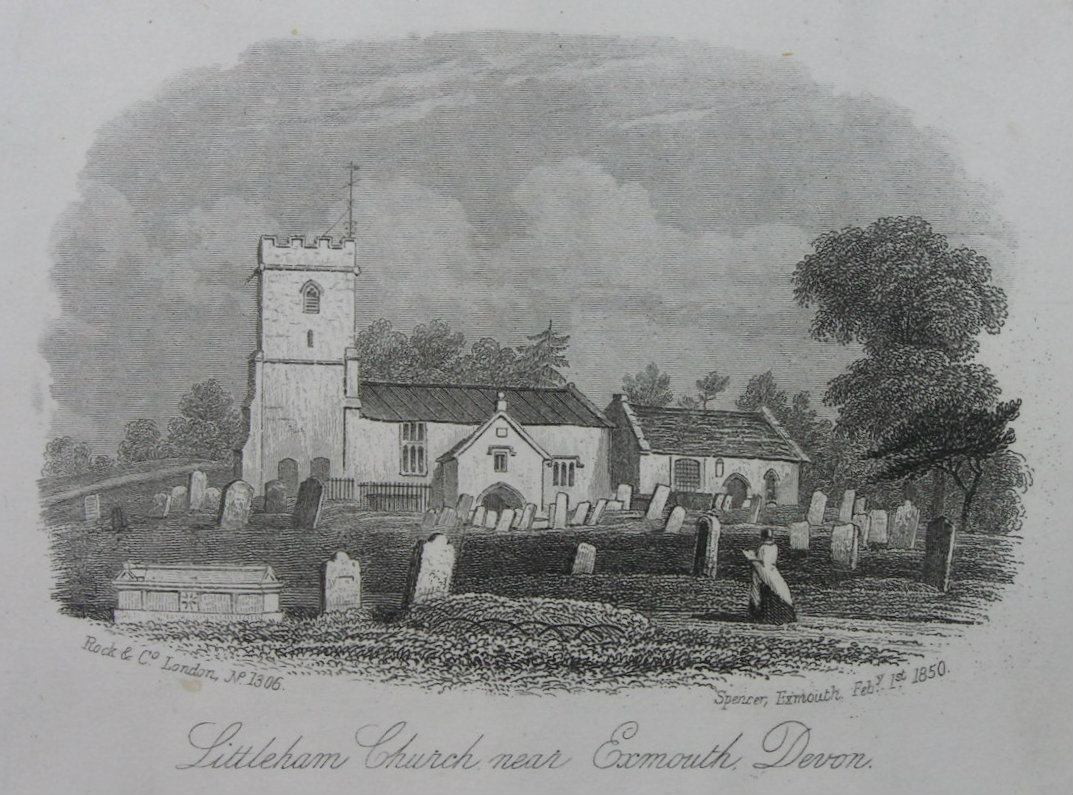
311,298
771,483
719,467
686,475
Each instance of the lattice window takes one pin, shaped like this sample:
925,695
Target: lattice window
311,299
413,450
687,474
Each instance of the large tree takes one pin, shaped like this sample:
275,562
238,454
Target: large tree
650,387
916,305
542,360
762,391
711,386
141,442
210,425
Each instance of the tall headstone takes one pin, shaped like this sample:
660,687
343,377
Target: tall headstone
199,481
658,503
597,512
581,512
491,519
938,553
904,533
308,504
528,514
212,499
428,520
706,553
342,583
845,510
91,505
119,519
161,505
674,520
877,528
728,502
287,471
478,516
562,506
464,507
431,570
506,519
717,500
755,504
845,545
863,523
447,517
180,499
584,559
237,504
816,508
860,505
624,494
799,535
275,497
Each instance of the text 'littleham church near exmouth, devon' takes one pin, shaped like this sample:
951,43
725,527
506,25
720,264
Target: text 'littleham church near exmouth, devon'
420,446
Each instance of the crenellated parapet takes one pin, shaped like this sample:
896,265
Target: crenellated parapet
320,253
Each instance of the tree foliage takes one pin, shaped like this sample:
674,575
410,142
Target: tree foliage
650,387
711,386
542,360
64,455
210,425
761,390
141,442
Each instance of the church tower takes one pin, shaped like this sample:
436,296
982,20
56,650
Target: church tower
304,372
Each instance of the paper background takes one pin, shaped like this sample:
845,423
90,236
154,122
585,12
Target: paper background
996,79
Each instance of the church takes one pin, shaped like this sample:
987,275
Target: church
410,446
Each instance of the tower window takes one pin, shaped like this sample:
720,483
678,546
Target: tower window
311,299
309,338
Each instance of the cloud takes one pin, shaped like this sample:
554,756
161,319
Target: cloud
649,196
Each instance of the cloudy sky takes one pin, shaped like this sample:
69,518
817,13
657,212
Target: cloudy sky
650,197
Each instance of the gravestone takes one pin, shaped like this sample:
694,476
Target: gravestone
560,518
506,519
584,559
199,481
119,519
447,517
525,524
706,552
755,504
938,553
615,505
717,501
877,528
321,469
287,471
861,521
161,505
860,505
91,505
342,583
237,504
180,500
464,507
845,510
728,502
212,499
624,494
580,512
491,519
799,535
597,512
431,570
845,545
308,504
478,516
275,497
428,520
658,503
674,521
816,508
904,533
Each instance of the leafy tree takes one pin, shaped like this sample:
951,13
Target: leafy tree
650,387
709,387
384,352
434,351
542,360
957,438
66,456
141,442
761,390
490,363
210,425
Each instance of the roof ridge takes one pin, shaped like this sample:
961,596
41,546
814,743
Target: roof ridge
565,388
682,409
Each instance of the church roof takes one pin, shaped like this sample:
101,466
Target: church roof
733,434
473,405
